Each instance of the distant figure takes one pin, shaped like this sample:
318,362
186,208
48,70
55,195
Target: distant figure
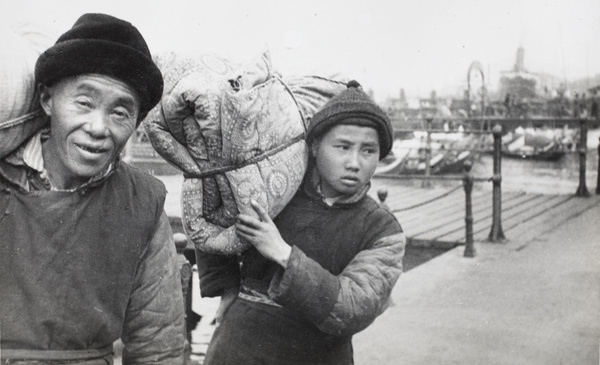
594,109
576,106
382,196
583,113
507,104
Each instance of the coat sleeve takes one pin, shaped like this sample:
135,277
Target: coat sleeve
153,330
347,303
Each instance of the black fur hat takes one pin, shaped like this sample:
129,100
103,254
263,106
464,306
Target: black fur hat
103,44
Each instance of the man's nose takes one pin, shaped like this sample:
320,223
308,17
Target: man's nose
97,125
352,161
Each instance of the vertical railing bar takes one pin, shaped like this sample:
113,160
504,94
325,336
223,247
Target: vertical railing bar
598,172
427,182
468,185
496,233
582,190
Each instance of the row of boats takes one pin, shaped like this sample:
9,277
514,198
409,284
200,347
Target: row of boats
538,144
450,151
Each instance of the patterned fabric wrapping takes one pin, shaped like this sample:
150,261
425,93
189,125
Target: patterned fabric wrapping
237,133
20,114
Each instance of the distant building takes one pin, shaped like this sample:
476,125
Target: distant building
519,83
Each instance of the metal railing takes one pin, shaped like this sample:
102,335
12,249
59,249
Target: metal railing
467,180
580,123
485,127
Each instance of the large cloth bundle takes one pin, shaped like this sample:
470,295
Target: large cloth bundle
237,133
20,114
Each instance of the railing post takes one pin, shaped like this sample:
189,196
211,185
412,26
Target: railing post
426,181
185,270
598,174
468,185
496,233
582,188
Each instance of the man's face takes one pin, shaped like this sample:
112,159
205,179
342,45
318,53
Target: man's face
91,119
346,157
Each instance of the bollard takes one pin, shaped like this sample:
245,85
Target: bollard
185,270
382,196
582,190
468,185
496,233
598,174
426,182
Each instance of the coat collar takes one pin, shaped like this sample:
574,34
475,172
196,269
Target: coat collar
311,186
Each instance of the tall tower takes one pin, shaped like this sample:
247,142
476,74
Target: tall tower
520,63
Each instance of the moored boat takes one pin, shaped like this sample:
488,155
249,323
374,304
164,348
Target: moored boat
537,144
409,156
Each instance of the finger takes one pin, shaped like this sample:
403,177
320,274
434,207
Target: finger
245,238
262,213
249,221
249,231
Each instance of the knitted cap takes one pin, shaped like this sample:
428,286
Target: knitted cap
102,44
352,106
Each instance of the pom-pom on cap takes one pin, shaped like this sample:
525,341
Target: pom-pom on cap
353,83
103,44
352,106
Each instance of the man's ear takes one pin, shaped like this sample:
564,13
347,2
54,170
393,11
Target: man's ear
314,146
45,98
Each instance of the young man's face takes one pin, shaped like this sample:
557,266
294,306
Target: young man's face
346,157
91,119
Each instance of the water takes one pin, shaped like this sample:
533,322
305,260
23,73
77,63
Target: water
533,176
543,177
417,255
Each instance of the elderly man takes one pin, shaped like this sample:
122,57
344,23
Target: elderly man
86,250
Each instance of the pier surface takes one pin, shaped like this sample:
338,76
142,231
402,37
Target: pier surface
534,299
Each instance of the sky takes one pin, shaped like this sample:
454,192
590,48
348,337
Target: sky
387,45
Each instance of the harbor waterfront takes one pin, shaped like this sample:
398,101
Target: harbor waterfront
494,175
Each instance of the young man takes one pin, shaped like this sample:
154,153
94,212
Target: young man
86,251
324,269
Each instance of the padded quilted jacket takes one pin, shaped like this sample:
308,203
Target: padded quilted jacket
81,269
345,261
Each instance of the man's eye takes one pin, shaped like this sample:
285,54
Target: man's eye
123,114
84,103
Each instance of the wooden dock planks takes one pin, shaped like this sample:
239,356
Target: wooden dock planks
436,216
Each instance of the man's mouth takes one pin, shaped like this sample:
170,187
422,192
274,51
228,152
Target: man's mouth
350,179
92,149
